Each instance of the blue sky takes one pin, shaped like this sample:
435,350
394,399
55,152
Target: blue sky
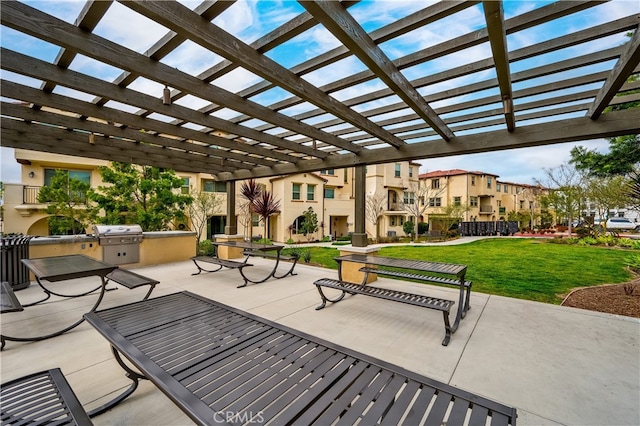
248,20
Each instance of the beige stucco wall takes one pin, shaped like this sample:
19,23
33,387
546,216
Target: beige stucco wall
156,247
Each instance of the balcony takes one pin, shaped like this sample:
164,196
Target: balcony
486,210
30,194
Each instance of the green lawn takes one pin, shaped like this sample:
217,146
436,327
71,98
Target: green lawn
531,269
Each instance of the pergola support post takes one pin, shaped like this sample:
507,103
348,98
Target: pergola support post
359,237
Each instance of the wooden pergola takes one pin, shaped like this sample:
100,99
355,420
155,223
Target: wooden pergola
483,104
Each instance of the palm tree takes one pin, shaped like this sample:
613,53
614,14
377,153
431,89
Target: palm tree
265,205
250,191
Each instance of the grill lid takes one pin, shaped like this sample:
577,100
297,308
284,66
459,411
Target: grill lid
116,230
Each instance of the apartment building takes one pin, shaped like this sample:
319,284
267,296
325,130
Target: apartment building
485,197
329,193
396,187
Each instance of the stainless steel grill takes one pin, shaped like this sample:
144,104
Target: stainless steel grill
120,243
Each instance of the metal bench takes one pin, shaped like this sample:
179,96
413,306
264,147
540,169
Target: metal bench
8,300
220,364
131,280
43,398
424,278
383,293
278,257
222,263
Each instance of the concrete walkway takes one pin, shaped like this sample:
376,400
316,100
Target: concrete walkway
556,365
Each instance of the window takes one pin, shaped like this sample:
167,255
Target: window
435,183
457,201
408,197
488,182
497,187
410,171
255,220
327,172
329,193
521,204
397,171
73,174
209,185
473,181
82,176
185,185
394,197
297,224
295,193
311,192
435,202
473,201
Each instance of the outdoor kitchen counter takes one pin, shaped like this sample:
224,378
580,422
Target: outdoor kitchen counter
153,249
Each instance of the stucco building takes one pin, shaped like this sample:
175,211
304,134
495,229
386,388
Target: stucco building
396,191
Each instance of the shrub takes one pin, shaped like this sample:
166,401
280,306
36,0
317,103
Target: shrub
305,255
206,248
290,241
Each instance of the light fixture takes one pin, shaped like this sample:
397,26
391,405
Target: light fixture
32,175
166,96
92,138
507,104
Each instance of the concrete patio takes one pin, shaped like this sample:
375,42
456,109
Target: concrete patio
556,365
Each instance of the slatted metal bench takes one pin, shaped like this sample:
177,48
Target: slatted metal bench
383,293
132,280
222,263
424,278
220,364
8,300
43,398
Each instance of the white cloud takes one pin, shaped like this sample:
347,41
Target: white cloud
9,167
522,165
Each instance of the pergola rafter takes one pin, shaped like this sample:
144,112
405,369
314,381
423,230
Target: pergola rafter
554,90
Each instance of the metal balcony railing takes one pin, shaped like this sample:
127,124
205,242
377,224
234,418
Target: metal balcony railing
486,209
30,194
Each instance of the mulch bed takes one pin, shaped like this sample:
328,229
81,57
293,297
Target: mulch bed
610,298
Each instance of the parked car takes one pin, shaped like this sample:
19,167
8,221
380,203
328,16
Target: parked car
619,223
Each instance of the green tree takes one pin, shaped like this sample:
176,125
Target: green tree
68,204
310,223
623,155
264,206
607,193
148,196
566,194
409,228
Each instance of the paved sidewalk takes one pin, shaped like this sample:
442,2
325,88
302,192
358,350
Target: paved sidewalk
556,365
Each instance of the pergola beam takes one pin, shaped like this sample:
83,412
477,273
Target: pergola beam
23,135
494,16
182,20
38,69
31,21
627,62
110,115
616,123
341,24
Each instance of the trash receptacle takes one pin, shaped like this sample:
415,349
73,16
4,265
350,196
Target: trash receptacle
15,248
